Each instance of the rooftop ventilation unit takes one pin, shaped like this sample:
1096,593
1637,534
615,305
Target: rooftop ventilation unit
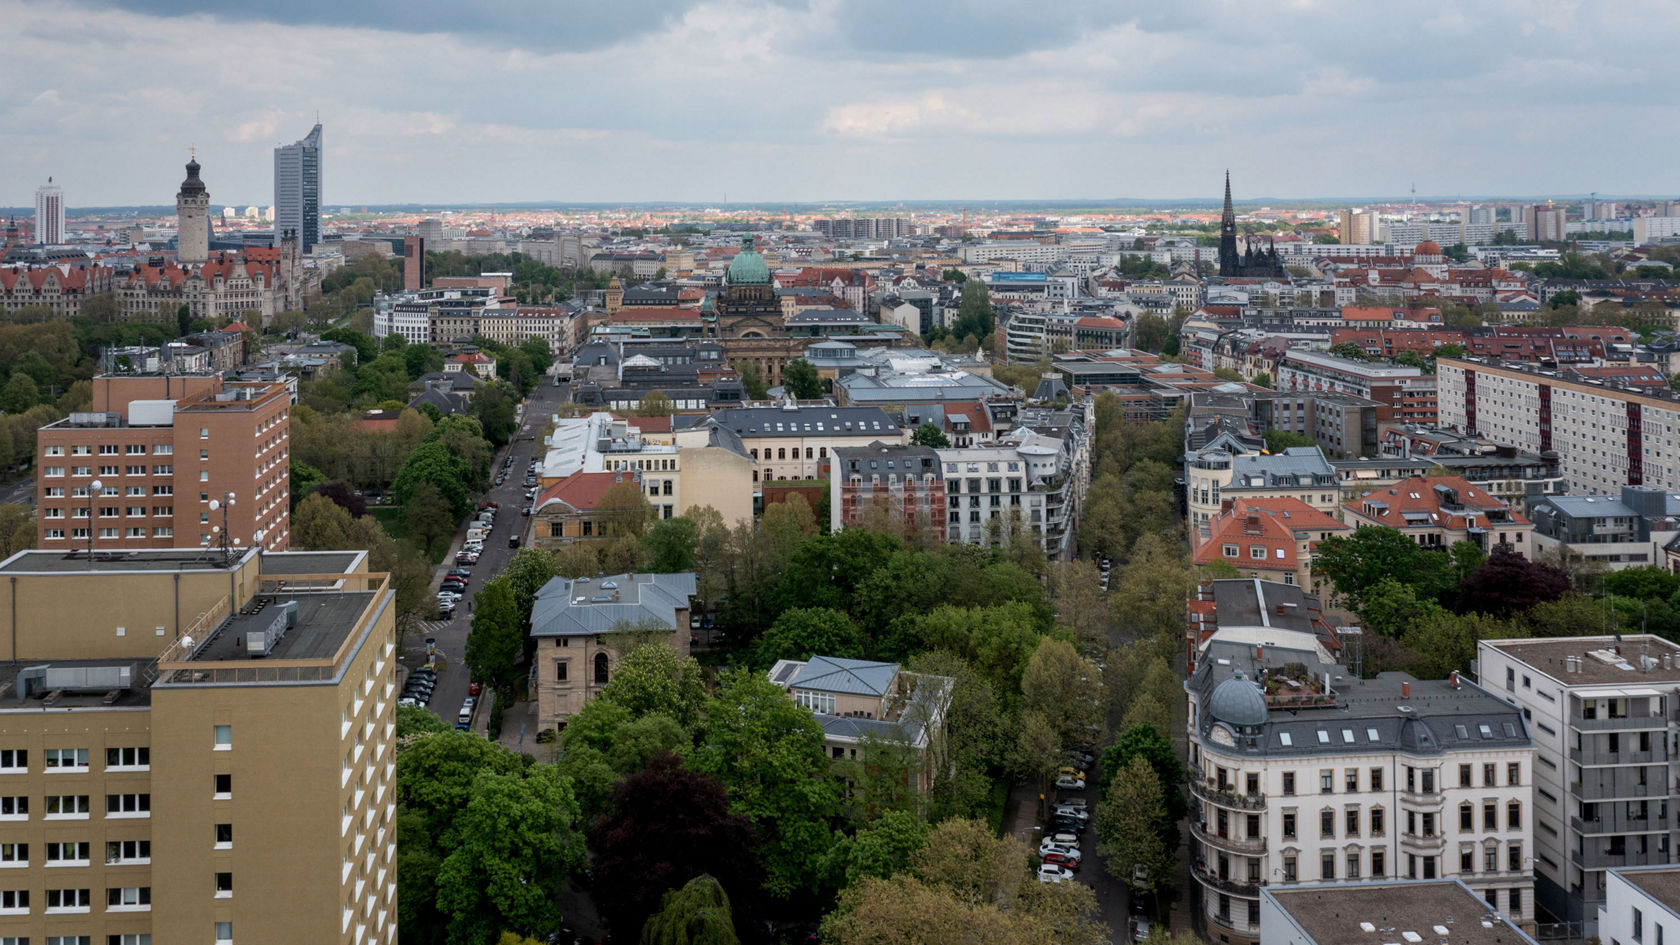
262,642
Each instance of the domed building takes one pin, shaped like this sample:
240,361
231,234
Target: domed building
1428,253
747,306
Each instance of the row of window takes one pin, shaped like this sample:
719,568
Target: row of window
132,938
1418,780
16,806
57,472
112,511
81,534
133,492
110,449
138,757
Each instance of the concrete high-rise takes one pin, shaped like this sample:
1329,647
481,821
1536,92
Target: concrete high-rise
223,761
414,263
1357,227
49,213
192,219
297,190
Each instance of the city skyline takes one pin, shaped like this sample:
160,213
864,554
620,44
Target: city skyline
699,103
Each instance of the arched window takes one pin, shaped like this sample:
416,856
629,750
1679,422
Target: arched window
600,669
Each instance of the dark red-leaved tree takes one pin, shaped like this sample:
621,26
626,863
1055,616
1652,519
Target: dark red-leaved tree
344,497
1507,583
665,826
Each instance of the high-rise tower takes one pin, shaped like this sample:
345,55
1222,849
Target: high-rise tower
49,213
297,190
192,219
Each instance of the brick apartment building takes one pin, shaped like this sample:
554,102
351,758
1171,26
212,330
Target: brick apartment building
163,448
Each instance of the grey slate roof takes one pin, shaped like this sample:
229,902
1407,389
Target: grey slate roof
1282,468
851,677
642,598
806,421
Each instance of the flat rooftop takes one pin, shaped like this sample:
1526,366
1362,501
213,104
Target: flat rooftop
1440,913
137,694
310,562
1548,656
162,559
323,623
1660,883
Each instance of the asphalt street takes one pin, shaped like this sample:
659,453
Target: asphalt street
451,635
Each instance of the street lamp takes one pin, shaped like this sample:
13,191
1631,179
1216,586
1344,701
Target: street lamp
221,532
94,489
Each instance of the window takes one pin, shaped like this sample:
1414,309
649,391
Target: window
1351,776
14,760
1466,816
14,807
1516,895
132,938
1513,773
204,433
1467,861
1327,866
1638,926
1490,858
1377,826
67,805
1428,780
128,805
1327,823
1288,783
68,900
821,703
224,836
14,854
1326,780
67,853
224,885
1353,864
1513,858
140,757
66,759
1513,815
224,737
1464,776
600,669
1288,825
14,902
1490,815
1289,868
224,785
128,898
1350,822
1379,864
128,851
560,671
1376,778
68,940
224,931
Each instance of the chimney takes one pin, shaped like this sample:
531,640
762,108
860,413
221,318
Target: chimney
1259,652
1405,690
1452,680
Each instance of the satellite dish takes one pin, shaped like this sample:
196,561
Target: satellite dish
187,641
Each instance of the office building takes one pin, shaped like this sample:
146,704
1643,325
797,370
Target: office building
192,219
297,190
49,214
1602,710
1445,911
141,467
1619,531
1302,772
1641,905
194,746
414,263
582,632
1606,437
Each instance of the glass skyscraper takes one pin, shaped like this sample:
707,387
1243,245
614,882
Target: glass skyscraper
297,190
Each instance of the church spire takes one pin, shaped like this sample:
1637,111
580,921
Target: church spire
1230,214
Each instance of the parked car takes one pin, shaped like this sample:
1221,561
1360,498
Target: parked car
513,541
1057,859
1067,825
462,573
1051,873
1140,930
1066,771
1070,784
1078,802
1079,814
405,700
446,611
1062,839
474,689
1061,849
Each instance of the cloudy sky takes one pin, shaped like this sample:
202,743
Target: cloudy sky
443,101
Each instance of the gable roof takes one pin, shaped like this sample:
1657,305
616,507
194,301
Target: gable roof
847,676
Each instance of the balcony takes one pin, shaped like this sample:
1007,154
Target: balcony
1624,724
1226,920
1248,846
1207,791
1423,842
1618,823
1422,798
1225,885
1600,859
1606,785
1604,756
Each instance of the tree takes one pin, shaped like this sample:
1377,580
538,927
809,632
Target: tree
17,529
1279,439
752,378
1131,829
1262,379
344,497
768,754
1350,349
515,847
672,545
884,846
666,825
976,741
19,394
1063,687
1150,744
929,434
1150,590
1354,564
652,679
496,641
1508,582
1150,332
1648,582
495,410
800,378
1409,358
802,633
320,524
526,573
624,511
696,914
1080,604
414,721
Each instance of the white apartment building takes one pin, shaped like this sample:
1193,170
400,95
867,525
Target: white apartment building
987,484
1603,710
49,214
1025,251
1606,438
1302,773
1641,905
1646,229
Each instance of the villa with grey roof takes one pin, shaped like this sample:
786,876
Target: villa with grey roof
859,702
583,629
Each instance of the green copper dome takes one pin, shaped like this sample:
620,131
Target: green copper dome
748,267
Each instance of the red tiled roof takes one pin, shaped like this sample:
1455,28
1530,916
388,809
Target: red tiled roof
237,328
581,490
1417,495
